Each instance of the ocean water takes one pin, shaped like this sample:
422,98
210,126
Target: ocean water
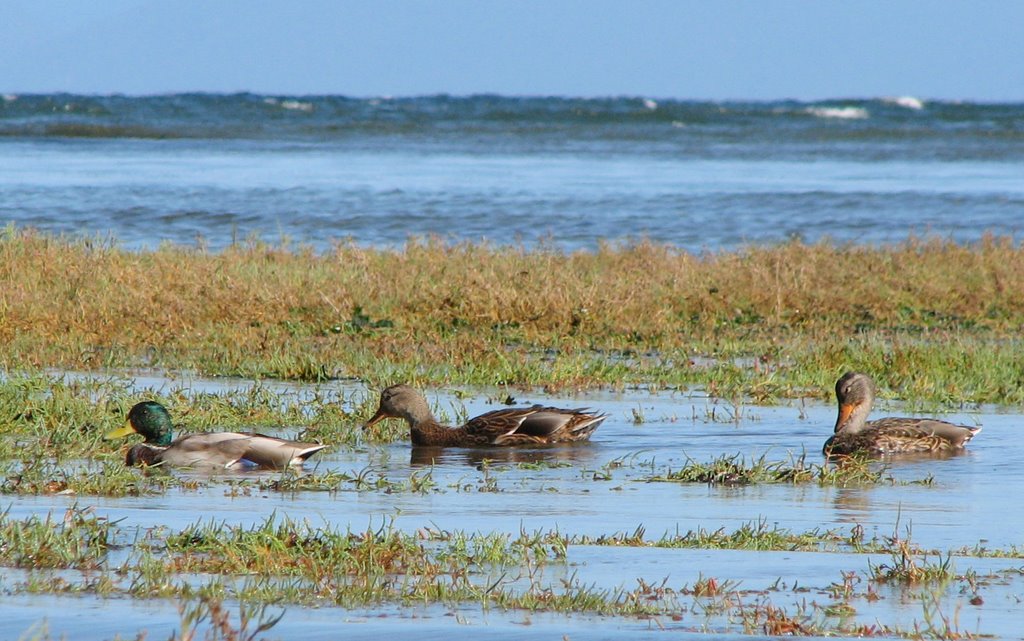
569,173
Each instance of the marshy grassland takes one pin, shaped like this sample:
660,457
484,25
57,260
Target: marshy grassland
935,323
932,321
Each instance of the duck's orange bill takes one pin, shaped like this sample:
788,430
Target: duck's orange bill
844,413
120,432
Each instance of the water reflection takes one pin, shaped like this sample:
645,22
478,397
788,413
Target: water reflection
896,457
851,504
476,457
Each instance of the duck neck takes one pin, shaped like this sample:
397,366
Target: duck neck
433,433
419,417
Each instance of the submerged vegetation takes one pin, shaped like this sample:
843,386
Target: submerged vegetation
765,322
734,470
284,561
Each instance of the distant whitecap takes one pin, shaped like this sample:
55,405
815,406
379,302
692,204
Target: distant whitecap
297,105
844,113
909,102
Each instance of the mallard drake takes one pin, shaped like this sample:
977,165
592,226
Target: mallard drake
217,449
854,434
537,425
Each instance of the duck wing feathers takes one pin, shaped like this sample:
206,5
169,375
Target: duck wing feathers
222,449
954,435
278,453
537,424
226,449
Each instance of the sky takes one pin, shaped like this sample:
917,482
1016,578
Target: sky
686,49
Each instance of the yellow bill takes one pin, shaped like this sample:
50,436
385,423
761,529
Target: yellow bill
120,432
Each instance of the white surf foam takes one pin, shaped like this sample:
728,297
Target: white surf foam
845,113
297,105
909,102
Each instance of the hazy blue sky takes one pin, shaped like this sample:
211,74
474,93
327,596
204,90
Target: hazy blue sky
713,49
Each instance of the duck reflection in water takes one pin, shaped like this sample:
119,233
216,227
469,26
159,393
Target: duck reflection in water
476,457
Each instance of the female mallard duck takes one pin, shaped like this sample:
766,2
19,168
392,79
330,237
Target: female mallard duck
537,425
854,434
220,449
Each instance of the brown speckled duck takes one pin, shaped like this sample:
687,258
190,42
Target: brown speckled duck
216,449
537,425
854,434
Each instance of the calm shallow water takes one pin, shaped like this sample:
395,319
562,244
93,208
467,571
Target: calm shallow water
966,504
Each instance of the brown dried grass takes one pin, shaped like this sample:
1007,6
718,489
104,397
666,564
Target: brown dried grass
258,309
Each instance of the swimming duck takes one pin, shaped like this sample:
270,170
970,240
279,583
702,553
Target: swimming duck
218,449
537,425
854,434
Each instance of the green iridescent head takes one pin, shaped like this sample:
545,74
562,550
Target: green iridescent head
151,420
